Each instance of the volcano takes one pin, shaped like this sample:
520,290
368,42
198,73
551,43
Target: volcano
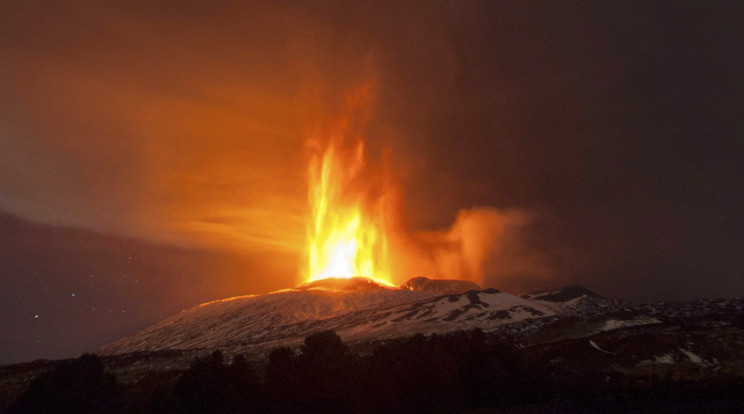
548,338
359,309
573,327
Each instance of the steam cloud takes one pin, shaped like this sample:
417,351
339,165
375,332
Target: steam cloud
484,244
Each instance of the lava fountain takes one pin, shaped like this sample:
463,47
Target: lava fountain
347,228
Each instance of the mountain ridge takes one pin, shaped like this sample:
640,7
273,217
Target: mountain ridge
357,309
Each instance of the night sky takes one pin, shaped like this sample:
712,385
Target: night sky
153,154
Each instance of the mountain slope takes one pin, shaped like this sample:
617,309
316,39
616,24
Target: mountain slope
254,319
356,309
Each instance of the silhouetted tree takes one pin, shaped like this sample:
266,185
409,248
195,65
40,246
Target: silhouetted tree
162,400
208,386
244,386
325,371
281,382
241,374
201,388
76,386
413,376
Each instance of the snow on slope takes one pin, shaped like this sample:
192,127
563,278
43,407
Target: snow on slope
357,312
612,324
254,319
475,309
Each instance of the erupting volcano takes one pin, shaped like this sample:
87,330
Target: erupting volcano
347,233
354,228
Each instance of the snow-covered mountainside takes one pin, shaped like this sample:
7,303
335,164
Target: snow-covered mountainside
358,309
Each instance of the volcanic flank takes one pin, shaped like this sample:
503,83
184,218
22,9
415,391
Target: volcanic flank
358,308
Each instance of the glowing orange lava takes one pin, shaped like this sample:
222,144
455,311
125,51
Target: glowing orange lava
346,233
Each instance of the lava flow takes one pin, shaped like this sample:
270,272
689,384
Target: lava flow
346,232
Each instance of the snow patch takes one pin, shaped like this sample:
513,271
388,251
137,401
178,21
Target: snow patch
664,359
573,302
597,347
693,357
612,324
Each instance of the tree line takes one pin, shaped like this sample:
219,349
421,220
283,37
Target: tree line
456,372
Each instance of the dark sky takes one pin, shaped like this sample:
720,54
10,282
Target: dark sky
616,127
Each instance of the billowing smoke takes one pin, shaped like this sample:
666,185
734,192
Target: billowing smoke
484,244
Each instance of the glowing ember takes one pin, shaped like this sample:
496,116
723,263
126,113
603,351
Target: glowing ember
346,234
